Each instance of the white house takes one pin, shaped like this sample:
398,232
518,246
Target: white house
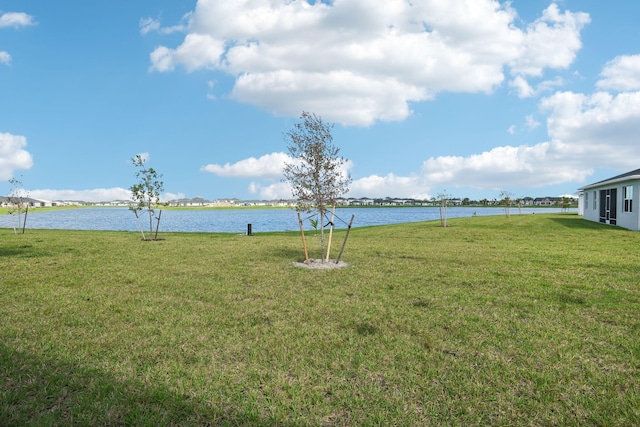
614,201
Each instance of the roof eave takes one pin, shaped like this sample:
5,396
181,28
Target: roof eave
610,181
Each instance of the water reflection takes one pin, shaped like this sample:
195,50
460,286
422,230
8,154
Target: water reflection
236,220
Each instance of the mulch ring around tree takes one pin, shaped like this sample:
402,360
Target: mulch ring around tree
318,264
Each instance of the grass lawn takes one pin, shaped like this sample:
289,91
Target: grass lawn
528,320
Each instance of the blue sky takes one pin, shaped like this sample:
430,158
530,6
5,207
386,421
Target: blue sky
467,97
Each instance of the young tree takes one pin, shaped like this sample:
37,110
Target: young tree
519,203
17,205
507,200
146,194
443,201
316,173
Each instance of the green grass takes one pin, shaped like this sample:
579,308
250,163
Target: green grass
531,320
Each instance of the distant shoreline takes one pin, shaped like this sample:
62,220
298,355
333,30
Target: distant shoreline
4,211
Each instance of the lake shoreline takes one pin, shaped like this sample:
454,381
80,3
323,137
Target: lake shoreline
238,220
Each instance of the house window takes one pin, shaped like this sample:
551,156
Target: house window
628,198
586,199
595,206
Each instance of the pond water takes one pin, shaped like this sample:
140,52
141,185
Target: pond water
236,220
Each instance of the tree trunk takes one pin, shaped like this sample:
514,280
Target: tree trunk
135,212
158,224
150,223
322,235
331,227
24,224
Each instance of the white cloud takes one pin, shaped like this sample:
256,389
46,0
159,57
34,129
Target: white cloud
525,90
387,186
552,41
5,58
162,59
144,156
345,97
148,25
268,167
549,85
621,74
372,186
172,196
524,166
13,156
16,20
531,122
264,171
273,191
585,132
197,51
357,62
522,87
599,129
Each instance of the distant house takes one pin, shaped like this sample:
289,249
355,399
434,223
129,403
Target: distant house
361,202
614,201
196,201
547,201
35,203
32,203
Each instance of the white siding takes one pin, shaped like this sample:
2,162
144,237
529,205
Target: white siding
628,220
